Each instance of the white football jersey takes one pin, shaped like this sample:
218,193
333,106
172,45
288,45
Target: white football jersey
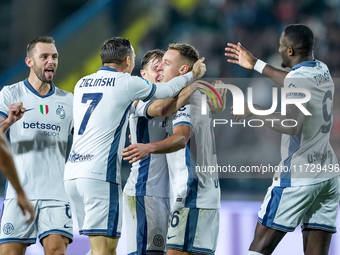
39,139
192,186
309,156
102,103
149,176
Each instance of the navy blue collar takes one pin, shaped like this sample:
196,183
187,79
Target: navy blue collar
29,86
305,63
106,68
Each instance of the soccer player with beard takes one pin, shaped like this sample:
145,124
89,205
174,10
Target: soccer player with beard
38,135
308,193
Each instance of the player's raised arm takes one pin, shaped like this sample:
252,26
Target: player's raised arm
163,108
175,85
239,55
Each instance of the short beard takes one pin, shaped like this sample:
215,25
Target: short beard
283,65
42,77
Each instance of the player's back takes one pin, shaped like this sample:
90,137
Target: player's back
101,107
309,153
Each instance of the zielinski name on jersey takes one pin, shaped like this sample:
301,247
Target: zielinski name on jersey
97,82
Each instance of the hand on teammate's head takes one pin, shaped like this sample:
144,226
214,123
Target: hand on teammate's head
199,68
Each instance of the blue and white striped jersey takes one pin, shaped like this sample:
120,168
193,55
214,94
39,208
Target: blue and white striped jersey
39,139
102,102
191,185
149,176
309,156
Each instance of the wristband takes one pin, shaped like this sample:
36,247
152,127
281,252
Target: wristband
259,65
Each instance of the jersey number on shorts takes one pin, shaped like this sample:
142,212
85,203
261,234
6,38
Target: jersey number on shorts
175,219
327,116
68,211
95,97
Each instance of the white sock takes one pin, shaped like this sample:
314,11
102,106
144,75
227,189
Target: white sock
89,253
254,253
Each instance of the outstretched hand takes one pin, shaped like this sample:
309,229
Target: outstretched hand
240,56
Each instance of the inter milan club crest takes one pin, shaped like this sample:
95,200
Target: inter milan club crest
8,228
44,109
61,112
158,240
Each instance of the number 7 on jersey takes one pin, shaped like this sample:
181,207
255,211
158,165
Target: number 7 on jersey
95,97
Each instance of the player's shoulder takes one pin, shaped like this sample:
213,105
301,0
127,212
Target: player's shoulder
63,93
298,73
311,69
138,79
15,86
13,89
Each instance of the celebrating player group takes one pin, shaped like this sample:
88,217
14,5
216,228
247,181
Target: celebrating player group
168,207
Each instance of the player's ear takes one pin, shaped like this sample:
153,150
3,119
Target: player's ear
29,62
184,69
290,51
143,73
127,61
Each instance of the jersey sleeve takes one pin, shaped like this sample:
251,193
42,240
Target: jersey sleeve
182,117
138,88
5,101
141,109
172,87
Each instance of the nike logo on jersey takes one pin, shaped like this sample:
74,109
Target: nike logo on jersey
66,226
169,237
27,110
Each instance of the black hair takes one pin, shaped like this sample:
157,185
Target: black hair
302,38
115,50
152,54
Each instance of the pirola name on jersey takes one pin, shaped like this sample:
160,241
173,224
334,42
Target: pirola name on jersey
39,125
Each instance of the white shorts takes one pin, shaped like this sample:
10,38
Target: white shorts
146,219
51,217
97,205
314,206
193,230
